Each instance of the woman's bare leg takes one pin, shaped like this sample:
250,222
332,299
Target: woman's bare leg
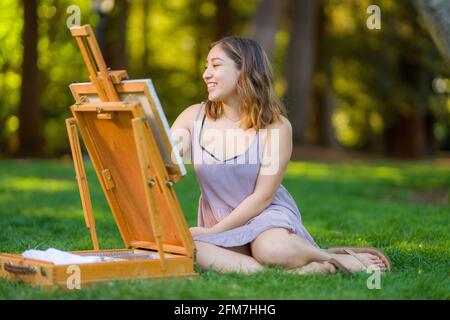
239,259
213,257
278,246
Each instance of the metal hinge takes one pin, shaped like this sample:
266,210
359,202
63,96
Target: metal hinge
107,178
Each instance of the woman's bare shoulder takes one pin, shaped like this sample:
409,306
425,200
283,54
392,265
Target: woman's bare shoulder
281,123
190,111
187,117
280,129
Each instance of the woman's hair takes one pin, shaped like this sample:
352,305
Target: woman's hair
259,104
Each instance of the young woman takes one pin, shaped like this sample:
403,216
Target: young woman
240,143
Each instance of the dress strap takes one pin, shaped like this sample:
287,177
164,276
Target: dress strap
200,110
195,127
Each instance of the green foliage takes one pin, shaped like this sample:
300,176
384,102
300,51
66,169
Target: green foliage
374,204
10,65
377,74
381,74
167,41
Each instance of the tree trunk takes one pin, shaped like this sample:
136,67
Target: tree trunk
436,15
405,137
111,34
430,141
200,45
30,133
116,37
265,23
146,54
224,23
323,110
300,65
100,30
321,130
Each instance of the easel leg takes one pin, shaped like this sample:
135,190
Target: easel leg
77,156
146,168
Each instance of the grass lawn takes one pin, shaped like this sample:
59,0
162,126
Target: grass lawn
402,208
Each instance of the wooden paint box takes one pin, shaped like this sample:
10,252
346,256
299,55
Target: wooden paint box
129,144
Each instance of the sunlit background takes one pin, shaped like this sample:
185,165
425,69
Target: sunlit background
347,87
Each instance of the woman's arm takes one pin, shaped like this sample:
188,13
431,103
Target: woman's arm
276,156
181,129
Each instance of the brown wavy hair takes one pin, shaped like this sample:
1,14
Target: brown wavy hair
259,104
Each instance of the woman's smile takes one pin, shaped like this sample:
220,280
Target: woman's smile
211,86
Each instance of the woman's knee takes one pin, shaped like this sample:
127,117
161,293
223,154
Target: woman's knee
268,251
203,254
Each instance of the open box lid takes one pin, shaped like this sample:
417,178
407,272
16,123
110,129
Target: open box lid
127,136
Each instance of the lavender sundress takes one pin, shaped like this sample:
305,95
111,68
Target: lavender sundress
226,183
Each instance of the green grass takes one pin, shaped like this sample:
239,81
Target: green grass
341,204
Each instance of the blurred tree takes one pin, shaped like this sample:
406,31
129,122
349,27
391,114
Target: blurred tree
200,18
264,24
138,40
11,58
436,17
60,63
408,131
224,22
145,33
112,31
300,64
385,90
320,128
382,79
436,14
30,117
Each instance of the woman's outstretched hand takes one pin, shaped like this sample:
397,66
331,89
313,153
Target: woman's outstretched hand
196,231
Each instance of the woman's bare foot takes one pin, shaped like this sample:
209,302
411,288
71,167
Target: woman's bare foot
354,265
315,268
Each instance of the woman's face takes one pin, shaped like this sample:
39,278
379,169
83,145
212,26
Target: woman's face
221,75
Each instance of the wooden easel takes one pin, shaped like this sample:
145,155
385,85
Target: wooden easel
130,157
155,177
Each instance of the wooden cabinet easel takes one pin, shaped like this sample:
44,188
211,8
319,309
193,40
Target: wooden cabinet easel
120,122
